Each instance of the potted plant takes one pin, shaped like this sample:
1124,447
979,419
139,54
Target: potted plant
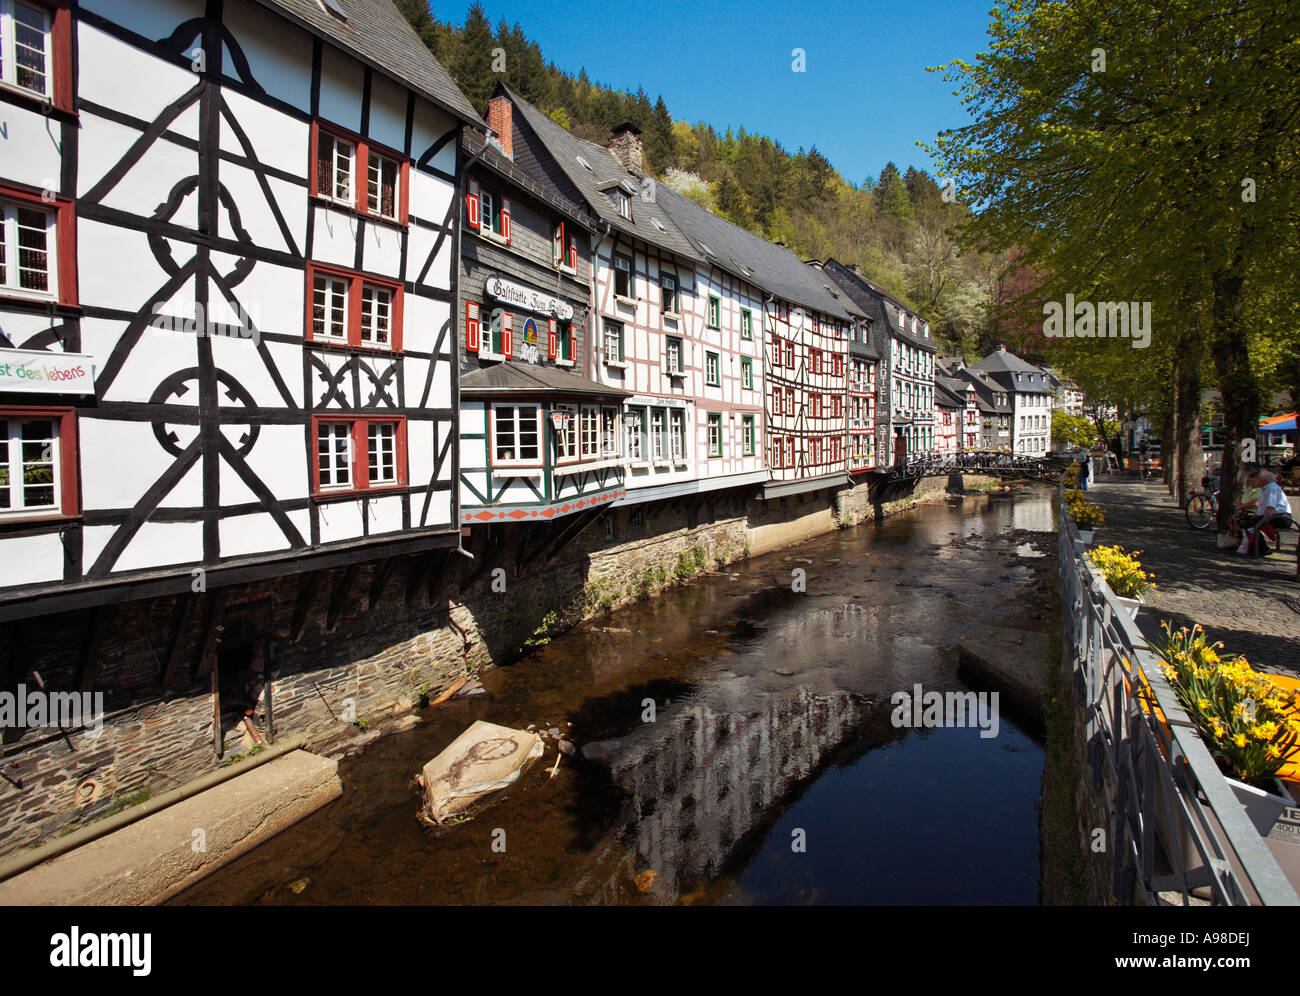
1250,725
1087,516
1123,572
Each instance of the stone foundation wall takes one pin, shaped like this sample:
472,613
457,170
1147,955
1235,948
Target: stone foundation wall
349,647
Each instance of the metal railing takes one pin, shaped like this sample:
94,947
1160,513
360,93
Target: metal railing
931,464
1177,830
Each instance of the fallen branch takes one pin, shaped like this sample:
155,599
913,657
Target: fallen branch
451,690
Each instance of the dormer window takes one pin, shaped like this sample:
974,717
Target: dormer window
584,164
623,203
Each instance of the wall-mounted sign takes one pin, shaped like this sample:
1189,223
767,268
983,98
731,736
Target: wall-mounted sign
645,399
527,298
34,371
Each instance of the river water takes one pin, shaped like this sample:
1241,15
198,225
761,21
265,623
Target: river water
771,772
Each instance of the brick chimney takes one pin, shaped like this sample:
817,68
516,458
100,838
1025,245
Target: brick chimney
500,121
625,143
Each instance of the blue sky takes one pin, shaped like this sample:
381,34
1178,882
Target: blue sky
864,99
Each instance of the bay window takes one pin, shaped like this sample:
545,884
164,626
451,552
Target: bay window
635,443
566,436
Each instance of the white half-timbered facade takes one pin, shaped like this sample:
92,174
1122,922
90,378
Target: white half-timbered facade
227,337
863,361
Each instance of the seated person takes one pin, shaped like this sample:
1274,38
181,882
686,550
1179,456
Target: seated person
1273,510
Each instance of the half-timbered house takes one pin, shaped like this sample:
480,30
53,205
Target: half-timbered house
864,359
227,328
539,439
906,378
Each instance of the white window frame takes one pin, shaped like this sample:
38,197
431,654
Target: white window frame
350,200
658,435
589,428
671,343
608,336
713,420
8,50
487,347
632,424
626,265
609,432
330,279
391,452
372,292
747,373
566,439
9,253
669,294
515,413
712,369
677,434
349,464
374,209
12,442
747,434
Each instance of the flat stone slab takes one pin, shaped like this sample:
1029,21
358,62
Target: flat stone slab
1012,660
162,854
482,760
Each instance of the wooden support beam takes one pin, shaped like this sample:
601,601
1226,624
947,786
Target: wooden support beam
307,588
341,590
186,606
382,573
212,630
439,574
417,570
88,667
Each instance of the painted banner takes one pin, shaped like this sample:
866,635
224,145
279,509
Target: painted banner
34,371
527,298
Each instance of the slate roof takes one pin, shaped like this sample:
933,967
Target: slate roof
955,386
606,172
499,162
985,389
880,306
516,377
947,398
1013,373
764,264
378,34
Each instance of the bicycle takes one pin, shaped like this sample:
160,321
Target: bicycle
1203,506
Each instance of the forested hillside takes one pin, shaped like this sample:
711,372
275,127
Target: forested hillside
896,226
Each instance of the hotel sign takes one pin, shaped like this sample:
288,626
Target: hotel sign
35,371
527,298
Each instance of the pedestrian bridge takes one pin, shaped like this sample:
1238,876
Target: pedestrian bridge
993,463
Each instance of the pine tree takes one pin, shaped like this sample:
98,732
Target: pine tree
473,65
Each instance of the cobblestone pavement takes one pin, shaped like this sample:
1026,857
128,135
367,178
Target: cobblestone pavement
1252,605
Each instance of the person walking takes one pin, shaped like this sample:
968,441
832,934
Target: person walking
1084,470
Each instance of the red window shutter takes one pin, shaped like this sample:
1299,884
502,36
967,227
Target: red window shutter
505,219
557,245
573,254
552,340
472,204
471,326
507,334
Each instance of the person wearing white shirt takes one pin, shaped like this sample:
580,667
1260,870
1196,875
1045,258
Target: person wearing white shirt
1272,505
